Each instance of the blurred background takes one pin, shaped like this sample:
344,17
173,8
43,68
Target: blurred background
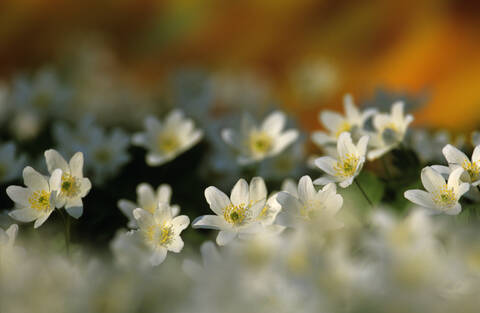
302,54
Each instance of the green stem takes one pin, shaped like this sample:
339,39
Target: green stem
364,193
66,223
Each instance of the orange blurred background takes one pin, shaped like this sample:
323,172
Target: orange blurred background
352,46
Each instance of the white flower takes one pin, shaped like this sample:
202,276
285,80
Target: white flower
237,215
336,124
167,140
458,159
311,205
440,197
211,261
38,200
147,199
10,164
349,164
390,130
104,152
253,143
7,237
73,186
160,231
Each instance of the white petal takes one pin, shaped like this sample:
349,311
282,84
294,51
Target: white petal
216,199
431,180
258,190
325,180
476,154
24,215
362,145
174,118
351,111
274,123
288,202
327,164
76,164
144,218
158,256
18,194
455,210
127,208
34,180
55,180
454,178
176,245
239,193
321,138
210,222
180,223
74,208
454,156
85,186
146,197
284,140
377,153
306,191
152,124
230,137
39,222
331,120
462,189
54,160
420,197
347,182
155,159
224,237
345,145
164,193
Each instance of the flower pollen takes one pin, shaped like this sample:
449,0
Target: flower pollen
40,200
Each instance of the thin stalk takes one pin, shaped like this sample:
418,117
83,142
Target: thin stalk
364,193
66,223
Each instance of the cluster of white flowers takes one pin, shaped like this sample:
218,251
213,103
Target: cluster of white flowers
307,245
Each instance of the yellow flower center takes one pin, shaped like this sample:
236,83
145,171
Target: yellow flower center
346,166
344,127
446,197
235,214
70,186
260,142
159,234
472,168
40,200
168,142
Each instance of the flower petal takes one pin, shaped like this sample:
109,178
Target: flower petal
179,223
76,165
240,192
158,256
34,180
420,197
327,164
432,180
454,156
210,222
224,237
258,190
306,190
18,194
54,160
24,215
216,199
146,197
274,123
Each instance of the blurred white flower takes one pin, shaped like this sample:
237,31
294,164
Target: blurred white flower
7,237
38,200
253,143
104,152
165,141
349,164
10,164
308,204
336,124
73,186
237,215
160,231
441,196
390,130
475,138
211,260
147,199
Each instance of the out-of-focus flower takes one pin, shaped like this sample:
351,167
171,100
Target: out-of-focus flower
310,205
429,146
336,124
211,260
237,215
147,199
7,237
160,231
73,186
475,138
167,140
43,94
10,164
440,197
253,143
390,130
104,152
349,164
290,163
38,200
